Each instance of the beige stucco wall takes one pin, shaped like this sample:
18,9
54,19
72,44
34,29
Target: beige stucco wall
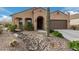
23,15
59,16
37,13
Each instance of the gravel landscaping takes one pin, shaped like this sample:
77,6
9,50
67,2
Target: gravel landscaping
39,42
32,41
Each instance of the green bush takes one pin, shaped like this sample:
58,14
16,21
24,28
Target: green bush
51,31
25,27
73,27
74,45
14,43
12,27
1,30
6,25
28,27
57,34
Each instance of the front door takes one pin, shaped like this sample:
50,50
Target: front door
40,23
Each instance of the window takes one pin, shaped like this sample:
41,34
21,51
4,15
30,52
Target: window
28,20
20,20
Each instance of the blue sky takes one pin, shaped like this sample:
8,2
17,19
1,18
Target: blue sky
6,11
10,10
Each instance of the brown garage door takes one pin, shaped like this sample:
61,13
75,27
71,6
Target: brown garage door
58,24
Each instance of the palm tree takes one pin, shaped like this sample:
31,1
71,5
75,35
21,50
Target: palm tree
48,19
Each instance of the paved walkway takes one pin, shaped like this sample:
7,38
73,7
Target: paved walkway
70,34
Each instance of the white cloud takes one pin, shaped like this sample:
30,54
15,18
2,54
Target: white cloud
73,12
70,9
5,18
2,15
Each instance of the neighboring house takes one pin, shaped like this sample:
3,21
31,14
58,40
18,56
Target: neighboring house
74,19
74,22
38,17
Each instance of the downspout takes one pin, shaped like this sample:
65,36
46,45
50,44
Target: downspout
33,18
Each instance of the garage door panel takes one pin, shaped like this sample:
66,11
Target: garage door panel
58,24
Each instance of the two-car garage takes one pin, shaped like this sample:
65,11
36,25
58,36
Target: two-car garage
59,20
58,24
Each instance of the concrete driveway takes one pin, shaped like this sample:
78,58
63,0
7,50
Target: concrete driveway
70,34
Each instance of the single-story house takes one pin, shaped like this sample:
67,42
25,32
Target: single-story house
38,17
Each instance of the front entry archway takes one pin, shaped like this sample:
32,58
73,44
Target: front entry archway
40,23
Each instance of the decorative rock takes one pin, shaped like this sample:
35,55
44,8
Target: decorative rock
18,30
34,41
56,44
16,35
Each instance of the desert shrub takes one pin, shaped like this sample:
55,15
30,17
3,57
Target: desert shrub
12,27
74,45
77,27
73,27
25,27
57,34
6,25
1,29
14,43
28,26
51,31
